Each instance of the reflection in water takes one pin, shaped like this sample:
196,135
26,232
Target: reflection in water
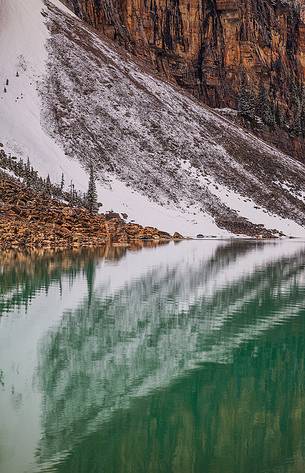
23,275
186,358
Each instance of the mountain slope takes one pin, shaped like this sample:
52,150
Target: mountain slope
161,158
216,48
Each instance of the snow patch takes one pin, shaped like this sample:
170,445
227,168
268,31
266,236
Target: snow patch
23,56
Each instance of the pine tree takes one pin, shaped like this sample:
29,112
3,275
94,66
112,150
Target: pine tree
296,96
20,166
278,116
27,172
246,101
62,182
264,109
72,194
296,125
91,198
48,185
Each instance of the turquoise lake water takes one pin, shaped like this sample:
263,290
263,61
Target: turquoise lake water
181,358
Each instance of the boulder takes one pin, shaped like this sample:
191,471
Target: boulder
177,236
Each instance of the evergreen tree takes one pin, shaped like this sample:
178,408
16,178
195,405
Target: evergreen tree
246,100
296,96
72,193
296,126
264,109
20,166
62,182
278,116
48,185
27,172
91,198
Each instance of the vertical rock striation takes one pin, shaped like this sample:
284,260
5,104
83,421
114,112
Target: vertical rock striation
217,48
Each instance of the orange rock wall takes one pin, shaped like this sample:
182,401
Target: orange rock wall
207,46
204,44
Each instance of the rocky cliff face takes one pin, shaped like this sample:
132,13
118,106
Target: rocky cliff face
225,52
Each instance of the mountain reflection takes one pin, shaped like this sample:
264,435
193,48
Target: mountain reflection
171,369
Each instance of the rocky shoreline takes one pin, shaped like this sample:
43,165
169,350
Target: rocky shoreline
31,220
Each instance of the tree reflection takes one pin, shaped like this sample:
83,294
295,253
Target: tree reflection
23,275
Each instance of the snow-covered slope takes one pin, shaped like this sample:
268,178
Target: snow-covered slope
23,36
74,99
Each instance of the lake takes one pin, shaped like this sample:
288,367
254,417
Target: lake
180,358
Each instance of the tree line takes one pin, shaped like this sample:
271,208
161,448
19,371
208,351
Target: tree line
26,173
252,105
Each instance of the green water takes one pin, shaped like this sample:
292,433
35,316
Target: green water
185,358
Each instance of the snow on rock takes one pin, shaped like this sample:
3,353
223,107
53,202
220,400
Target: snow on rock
73,99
